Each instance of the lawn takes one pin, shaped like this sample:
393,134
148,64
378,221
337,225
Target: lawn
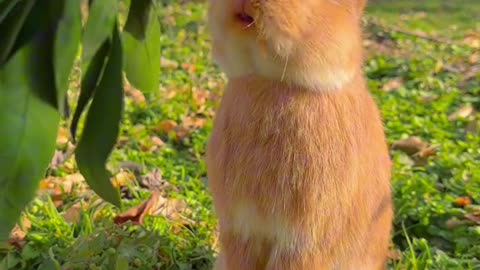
423,65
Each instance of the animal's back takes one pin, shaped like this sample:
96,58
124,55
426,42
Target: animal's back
300,178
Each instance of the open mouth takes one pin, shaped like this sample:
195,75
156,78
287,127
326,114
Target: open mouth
245,19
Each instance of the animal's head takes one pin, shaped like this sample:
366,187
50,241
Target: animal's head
309,43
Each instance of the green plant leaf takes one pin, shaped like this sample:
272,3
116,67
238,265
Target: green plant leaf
11,26
142,57
89,83
28,127
67,38
6,7
101,18
102,126
138,18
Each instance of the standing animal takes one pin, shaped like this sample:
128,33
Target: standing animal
297,161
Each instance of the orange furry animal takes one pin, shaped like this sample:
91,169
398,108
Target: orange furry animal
297,161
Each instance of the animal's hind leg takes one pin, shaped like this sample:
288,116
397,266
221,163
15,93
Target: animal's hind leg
286,260
241,254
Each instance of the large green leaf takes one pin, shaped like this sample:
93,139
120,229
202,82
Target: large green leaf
142,57
11,26
101,18
6,7
67,39
28,131
102,126
138,18
89,83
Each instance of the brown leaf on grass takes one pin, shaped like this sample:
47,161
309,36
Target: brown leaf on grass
134,94
392,84
137,213
169,208
474,217
154,181
474,58
417,149
189,67
63,136
429,98
472,39
200,96
410,145
463,112
155,205
168,126
122,179
151,144
122,141
167,63
58,187
192,122
61,156
73,214
18,233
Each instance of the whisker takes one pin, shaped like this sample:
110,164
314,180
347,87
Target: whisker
249,25
284,69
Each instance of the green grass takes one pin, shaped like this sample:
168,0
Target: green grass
431,231
447,18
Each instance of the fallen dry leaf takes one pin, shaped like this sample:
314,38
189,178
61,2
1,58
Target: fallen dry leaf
429,98
134,94
157,141
166,126
189,67
474,217
463,112
63,136
122,179
167,63
61,156
18,233
122,141
151,144
474,58
154,181
410,145
200,96
472,39
190,122
454,223
73,214
392,84
58,187
136,214
155,205
169,208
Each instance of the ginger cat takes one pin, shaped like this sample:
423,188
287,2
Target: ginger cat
298,163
